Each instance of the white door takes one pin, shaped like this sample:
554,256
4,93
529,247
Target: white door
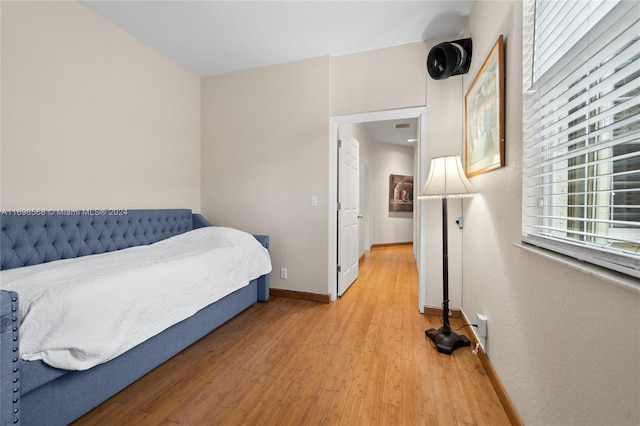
349,201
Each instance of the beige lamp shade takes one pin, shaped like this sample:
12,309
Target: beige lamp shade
447,179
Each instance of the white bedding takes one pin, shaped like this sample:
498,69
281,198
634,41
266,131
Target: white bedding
78,313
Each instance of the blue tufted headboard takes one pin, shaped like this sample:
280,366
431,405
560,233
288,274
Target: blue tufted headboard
31,237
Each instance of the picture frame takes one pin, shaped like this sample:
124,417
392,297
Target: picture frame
484,113
400,193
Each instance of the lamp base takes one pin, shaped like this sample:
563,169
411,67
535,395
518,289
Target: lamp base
447,342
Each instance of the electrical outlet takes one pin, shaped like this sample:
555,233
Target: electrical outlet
482,325
283,273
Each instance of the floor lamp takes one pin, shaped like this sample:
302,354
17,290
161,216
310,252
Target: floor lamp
446,179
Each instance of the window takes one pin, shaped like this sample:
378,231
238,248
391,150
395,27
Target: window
581,130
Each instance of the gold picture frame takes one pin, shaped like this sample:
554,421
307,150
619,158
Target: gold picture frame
484,115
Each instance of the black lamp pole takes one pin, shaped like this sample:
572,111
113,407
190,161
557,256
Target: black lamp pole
446,340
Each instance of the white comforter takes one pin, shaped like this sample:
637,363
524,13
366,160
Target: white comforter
78,313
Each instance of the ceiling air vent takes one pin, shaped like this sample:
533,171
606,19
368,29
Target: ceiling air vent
403,125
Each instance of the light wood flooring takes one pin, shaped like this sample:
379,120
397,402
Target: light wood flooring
362,360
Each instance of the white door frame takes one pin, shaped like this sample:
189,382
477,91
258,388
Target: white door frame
419,176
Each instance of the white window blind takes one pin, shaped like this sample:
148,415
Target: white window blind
559,25
581,130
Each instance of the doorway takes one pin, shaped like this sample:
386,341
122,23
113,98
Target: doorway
420,168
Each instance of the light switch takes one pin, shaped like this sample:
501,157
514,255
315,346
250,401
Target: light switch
314,201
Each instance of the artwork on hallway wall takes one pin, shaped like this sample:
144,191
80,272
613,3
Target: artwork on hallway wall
400,193
484,115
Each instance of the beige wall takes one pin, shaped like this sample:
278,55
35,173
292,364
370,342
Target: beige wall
265,152
378,80
389,227
564,343
91,116
266,147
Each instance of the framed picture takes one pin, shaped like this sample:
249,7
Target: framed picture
484,115
400,193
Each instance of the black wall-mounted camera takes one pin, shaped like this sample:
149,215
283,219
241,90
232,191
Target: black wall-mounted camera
449,58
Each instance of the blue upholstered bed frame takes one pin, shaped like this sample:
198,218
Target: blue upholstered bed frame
33,393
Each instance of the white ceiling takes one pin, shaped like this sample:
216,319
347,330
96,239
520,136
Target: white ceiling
398,132
215,37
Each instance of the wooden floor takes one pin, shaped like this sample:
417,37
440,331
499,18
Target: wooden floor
362,360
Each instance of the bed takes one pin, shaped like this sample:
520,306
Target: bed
34,392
